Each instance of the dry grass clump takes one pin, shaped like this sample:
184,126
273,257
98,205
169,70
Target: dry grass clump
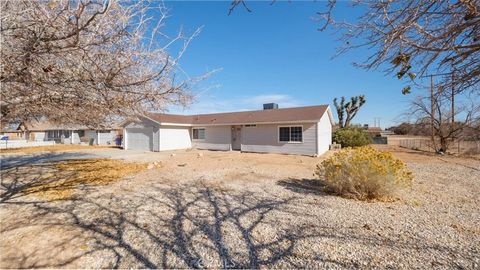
53,148
364,173
73,174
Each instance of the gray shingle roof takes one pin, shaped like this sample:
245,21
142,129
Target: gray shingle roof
297,114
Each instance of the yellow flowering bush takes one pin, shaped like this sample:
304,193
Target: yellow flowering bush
364,173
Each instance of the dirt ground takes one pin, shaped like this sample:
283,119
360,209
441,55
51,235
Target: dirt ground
53,148
242,210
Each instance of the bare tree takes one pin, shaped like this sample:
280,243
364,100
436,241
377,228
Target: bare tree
84,61
413,38
418,37
347,111
435,113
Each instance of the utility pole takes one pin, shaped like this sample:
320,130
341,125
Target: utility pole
432,109
453,98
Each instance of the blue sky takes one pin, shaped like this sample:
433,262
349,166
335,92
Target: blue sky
276,54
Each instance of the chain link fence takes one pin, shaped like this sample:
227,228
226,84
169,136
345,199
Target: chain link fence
455,147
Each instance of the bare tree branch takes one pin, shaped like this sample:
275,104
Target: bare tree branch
236,3
445,131
416,38
86,61
412,38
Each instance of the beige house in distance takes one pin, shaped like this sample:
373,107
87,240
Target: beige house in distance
45,130
300,130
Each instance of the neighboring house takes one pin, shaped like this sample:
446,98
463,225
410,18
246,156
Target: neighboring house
377,134
301,130
67,134
374,131
11,131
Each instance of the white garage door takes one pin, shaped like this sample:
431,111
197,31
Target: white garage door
173,138
139,138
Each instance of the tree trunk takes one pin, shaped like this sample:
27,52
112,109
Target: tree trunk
443,145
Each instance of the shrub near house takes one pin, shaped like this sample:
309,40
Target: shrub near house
364,173
351,137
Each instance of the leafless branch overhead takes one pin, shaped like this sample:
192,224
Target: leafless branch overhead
85,61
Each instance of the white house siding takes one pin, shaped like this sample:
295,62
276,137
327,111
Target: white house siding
91,134
173,138
106,137
67,140
37,136
264,139
75,137
216,138
156,138
324,134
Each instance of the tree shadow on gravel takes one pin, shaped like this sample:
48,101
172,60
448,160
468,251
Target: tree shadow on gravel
304,186
21,175
190,226
46,180
18,182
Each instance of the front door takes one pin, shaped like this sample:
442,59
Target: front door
236,137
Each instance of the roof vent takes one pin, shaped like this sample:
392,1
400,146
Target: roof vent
270,106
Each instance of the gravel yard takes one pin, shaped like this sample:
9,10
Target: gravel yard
241,210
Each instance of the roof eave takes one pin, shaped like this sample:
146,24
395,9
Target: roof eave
330,115
238,123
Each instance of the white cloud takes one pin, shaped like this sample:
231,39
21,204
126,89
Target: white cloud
212,104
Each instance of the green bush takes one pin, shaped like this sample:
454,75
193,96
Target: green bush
364,173
351,137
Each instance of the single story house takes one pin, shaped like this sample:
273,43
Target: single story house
10,130
374,131
301,130
67,134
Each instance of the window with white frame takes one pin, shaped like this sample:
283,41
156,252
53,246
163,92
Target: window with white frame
199,133
290,134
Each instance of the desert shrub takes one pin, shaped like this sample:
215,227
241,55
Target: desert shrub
364,173
402,129
351,137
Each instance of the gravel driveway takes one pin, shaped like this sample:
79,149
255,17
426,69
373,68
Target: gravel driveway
220,209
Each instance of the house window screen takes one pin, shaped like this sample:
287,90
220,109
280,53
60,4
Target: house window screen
199,134
290,134
284,134
296,134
